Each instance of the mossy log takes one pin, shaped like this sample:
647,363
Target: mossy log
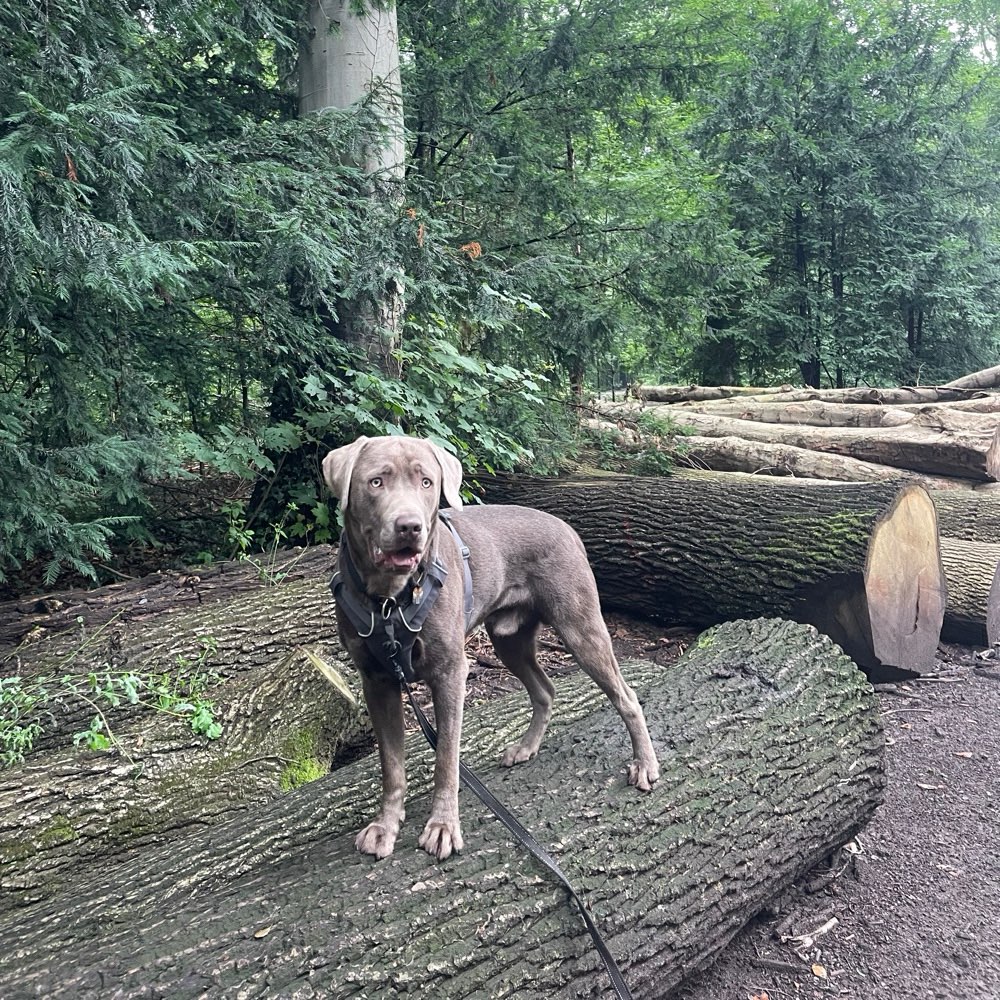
66,807
772,756
859,561
972,571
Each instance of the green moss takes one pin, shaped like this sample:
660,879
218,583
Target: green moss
301,750
59,831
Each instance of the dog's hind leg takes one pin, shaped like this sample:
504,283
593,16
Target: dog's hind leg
517,652
584,634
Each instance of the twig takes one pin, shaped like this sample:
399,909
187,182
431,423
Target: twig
774,965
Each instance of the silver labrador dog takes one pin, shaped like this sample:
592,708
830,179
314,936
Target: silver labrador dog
528,568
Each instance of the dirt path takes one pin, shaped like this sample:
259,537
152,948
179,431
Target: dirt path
918,910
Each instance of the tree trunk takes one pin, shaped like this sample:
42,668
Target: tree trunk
933,443
861,562
351,55
692,395
972,570
971,515
772,756
66,807
814,413
988,378
698,393
734,454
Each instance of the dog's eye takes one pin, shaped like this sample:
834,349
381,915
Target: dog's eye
426,483
376,482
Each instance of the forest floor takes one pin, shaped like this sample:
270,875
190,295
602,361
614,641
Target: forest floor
910,911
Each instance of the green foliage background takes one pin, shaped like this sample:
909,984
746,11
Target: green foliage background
796,191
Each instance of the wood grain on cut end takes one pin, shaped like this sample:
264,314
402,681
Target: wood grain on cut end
905,582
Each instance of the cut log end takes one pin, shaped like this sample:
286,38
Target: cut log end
905,583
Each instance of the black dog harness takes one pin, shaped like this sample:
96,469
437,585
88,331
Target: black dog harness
390,625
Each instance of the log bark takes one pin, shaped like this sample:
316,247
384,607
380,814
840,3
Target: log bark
66,807
861,562
812,413
772,756
932,443
735,454
787,394
972,516
698,393
972,571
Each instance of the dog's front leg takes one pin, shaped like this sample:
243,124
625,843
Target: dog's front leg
443,833
385,707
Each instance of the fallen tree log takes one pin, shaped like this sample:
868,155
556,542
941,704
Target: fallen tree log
973,516
972,571
854,396
987,378
859,561
734,454
772,756
697,393
933,442
812,413
66,807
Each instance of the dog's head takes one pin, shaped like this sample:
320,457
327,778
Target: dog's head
389,490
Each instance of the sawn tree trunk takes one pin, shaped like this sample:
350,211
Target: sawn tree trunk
771,749
859,561
936,442
67,807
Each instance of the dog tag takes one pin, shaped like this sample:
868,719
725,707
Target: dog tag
418,595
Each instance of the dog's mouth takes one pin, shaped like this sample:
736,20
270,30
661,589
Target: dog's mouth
403,560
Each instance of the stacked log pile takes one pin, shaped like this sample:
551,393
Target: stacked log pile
943,438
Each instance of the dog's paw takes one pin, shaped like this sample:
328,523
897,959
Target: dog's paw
517,753
441,837
643,775
377,838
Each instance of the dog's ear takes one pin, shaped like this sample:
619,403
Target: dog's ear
451,476
338,467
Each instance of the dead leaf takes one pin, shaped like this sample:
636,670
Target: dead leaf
818,971
263,932
967,754
929,788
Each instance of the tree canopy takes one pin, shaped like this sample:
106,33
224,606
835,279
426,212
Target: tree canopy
704,191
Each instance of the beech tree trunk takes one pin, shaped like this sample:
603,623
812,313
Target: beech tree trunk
66,807
861,562
772,756
933,442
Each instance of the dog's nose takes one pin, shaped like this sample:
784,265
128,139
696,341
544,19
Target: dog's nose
409,527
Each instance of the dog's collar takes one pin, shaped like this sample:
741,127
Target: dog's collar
389,625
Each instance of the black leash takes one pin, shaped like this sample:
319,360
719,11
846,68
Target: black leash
525,837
